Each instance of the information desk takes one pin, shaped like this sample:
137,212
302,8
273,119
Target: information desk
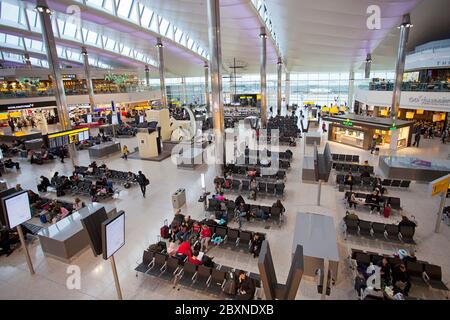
311,137
104,149
360,131
308,172
317,234
65,239
410,168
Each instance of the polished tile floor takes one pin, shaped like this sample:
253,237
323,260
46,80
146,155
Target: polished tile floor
144,217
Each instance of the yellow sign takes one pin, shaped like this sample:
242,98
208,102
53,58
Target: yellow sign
65,133
440,185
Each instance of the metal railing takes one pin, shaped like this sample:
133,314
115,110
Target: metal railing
436,86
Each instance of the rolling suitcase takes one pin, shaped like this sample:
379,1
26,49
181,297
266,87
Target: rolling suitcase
386,212
164,231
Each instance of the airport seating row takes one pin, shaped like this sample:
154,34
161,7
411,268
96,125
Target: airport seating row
379,230
420,272
339,157
263,189
393,202
354,168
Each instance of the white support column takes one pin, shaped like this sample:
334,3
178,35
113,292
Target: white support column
263,75
351,91
279,74
399,70
213,10
287,90
162,79
87,71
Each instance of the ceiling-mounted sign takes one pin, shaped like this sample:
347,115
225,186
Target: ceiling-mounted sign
347,123
22,106
69,76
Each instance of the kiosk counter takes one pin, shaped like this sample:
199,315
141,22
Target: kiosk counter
360,131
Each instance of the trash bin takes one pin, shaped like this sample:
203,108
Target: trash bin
179,198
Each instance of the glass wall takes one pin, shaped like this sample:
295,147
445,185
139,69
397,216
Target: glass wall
320,88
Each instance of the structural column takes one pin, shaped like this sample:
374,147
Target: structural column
207,103
27,60
279,73
53,64
287,89
215,51
87,71
368,66
147,76
263,83
183,90
399,69
351,91
162,79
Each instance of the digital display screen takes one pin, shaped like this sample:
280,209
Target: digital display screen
141,119
86,135
17,209
80,136
89,118
113,232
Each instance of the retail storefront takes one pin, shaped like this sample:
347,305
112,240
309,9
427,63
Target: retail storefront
360,131
22,114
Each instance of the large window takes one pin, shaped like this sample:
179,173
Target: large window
320,88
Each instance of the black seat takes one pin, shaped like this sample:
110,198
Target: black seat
338,167
270,188
342,157
415,270
396,183
218,278
378,229
279,189
392,231
405,184
362,259
394,202
262,187
147,257
245,185
172,265
434,274
203,275
221,232
189,271
348,158
386,182
351,226
365,228
354,168
245,237
334,156
355,158
407,233
233,235
160,260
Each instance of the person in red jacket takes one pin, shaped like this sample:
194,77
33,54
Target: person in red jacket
193,259
205,237
184,250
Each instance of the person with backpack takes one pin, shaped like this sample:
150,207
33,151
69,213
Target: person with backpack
143,182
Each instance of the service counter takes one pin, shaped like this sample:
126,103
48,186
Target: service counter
22,136
67,238
360,131
104,149
410,168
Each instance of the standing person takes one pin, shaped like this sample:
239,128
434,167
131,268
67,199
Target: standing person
125,152
324,127
444,136
11,124
417,138
61,154
143,182
349,180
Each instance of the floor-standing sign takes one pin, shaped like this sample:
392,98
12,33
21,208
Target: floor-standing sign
16,210
440,186
113,238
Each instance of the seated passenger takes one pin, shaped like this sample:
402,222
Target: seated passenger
238,201
194,258
11,164
77,205
400,280
255,246
179,217
184,250
351,200
406,222
205,237
220,197
279,205
246,287
348,180
351,215
374,201
44,184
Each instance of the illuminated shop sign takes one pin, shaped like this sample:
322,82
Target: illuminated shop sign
347,123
